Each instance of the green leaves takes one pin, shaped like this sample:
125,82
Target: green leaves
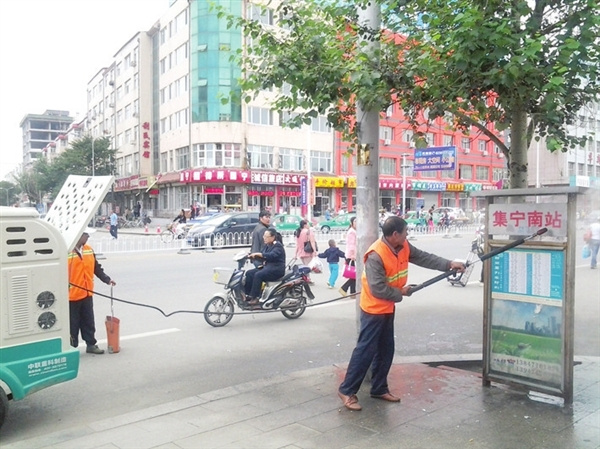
483,62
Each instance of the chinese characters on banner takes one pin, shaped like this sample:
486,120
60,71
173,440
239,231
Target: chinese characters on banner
435,158
146,139
525,219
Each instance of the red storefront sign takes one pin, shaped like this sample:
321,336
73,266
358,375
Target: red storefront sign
282,179
222,175
287,193
131,182
261,193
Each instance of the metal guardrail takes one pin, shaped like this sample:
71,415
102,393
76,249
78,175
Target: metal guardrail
231,240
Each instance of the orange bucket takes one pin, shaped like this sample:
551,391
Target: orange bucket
112,332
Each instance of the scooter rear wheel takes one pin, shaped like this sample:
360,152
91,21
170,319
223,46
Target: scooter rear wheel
218,311
292,314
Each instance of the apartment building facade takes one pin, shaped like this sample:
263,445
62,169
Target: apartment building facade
41,131
160,100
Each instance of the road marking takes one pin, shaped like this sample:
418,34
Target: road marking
142,335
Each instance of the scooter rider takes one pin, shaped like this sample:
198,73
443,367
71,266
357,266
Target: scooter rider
273,268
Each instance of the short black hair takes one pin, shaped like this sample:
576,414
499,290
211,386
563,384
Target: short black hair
264,213
393,224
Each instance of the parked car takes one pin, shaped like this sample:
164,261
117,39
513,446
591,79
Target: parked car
414,222
233,229
286,222
340,222
201,219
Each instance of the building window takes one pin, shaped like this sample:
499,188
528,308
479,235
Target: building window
183,158
216,155
429,174
320,161
482,146
290,159
387,166
430,139
448,140
465,171
260,116
320,124
260,156
407,136
499,173
465,144
386,133
448,174
571,168
482,173
163,163
260,14
344,165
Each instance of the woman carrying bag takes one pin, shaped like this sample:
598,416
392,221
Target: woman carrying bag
350,284
306,247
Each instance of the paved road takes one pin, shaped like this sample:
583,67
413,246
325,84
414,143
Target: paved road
166,359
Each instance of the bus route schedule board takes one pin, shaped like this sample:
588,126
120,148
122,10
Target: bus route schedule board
527,293
529,289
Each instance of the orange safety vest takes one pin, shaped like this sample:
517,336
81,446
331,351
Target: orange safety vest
396,273
81,273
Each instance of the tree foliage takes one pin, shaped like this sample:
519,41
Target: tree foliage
8,193
524,65
47,177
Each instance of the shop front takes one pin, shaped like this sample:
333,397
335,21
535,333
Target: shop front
216,189
278,192
325,187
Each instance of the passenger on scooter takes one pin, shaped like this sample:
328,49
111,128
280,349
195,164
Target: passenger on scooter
273,268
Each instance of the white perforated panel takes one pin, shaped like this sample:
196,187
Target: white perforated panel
75,205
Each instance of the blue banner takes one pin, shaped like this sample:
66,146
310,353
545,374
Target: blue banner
435,158
303,192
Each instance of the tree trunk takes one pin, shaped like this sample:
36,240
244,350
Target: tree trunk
518,150
367,170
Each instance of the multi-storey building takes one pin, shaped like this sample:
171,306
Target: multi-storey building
479,165
161,101
41,131
577,167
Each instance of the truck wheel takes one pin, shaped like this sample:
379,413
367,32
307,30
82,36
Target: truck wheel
3,405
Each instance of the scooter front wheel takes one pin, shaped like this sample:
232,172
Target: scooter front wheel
292,314
218,311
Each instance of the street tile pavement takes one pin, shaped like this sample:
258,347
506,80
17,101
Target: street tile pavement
442,407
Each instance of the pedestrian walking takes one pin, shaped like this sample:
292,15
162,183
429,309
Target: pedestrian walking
593,241
333,255
351,241
306,246
114,224
82,266
383,284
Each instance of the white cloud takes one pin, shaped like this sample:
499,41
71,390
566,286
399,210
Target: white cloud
50,49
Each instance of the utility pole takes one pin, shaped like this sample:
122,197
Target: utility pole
367,157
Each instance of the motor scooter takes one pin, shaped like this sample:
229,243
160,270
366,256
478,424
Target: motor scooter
288,294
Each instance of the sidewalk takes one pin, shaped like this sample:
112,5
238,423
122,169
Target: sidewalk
442,407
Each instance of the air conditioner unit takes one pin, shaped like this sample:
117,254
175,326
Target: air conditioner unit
133,63
466,151
500,155
135,114
387,142
485,153
111,105
111,83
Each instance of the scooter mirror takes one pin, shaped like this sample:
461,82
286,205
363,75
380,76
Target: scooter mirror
241,255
